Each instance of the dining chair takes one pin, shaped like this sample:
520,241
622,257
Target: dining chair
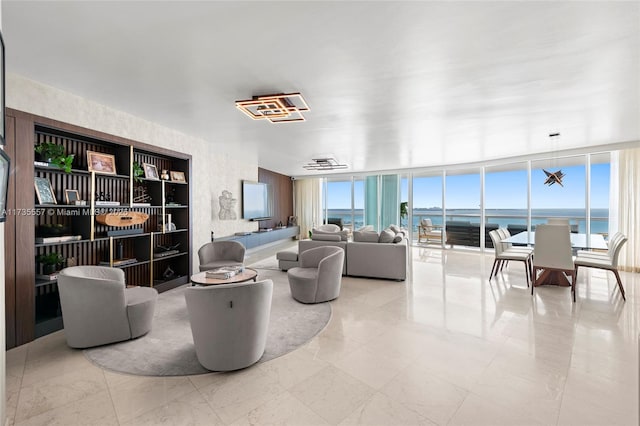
502,256
558,221
607,261
552,256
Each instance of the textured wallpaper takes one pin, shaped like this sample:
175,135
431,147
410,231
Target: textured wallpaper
213,170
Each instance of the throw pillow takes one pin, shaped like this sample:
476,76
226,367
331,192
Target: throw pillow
325,237
386,236
365,237
366,228
397,238
395,228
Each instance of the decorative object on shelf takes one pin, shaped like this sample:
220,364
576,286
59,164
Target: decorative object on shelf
141,195
170,196
168,274
72,261
138,172
52,230
292,221
122,218
168,225
55,154
277,108
150,171
55,240
71,196
50,262
4,179
102,163
227,206
177,177
164,251
104,196
44,191
164,175
119,250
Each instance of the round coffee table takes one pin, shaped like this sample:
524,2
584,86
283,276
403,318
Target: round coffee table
247,275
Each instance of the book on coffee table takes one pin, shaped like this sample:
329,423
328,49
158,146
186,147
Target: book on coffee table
222,273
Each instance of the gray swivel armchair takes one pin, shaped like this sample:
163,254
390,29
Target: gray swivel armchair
229,323
319,276
221,253
97,308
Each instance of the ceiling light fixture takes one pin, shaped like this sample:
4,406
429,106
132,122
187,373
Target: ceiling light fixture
554,177
278,108
322,164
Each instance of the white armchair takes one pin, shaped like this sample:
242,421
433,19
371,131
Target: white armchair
229,323
97,308
319,276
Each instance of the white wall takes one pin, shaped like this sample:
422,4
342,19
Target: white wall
213,171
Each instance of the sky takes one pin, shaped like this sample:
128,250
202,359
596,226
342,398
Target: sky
503,190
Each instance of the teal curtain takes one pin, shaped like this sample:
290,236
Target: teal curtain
390,201
371,201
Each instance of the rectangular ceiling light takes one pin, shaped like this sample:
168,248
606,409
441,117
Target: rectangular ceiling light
321,164
280,108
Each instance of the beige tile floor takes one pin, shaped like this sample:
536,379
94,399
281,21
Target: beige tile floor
445,347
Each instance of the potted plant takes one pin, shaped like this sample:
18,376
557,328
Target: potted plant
55,154
138,172
50,262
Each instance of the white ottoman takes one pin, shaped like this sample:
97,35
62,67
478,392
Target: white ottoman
287,260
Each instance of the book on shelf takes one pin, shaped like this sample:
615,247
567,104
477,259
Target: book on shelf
48,277
119,262
61,239
107,203
223,273
165,253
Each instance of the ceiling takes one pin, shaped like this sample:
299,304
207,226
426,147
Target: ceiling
390,85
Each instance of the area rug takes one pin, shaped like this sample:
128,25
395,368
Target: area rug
168,349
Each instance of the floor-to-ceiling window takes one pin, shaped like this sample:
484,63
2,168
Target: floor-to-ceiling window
600,180
506,195
338,201
462,207
427,200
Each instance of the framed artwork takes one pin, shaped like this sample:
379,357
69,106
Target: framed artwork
5,162
44,191
177,176
71,196
150,171
2,89
102,163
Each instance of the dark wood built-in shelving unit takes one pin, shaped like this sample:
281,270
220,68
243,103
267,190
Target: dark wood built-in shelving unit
32,306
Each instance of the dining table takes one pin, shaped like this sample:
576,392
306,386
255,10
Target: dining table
578,242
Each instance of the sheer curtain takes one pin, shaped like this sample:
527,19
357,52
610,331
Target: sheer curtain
307,203
628,181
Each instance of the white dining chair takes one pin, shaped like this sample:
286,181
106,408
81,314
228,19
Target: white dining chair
502,256
558,221
607,261
552,256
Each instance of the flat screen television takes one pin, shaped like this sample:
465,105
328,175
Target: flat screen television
256,200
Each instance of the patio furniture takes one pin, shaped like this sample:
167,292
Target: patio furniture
429,232
607,261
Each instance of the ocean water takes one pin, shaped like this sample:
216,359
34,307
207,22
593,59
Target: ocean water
500,217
